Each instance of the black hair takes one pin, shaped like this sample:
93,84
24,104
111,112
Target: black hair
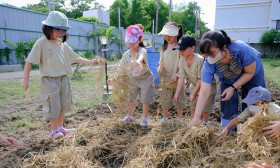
180,33
217,39
141,44
47,30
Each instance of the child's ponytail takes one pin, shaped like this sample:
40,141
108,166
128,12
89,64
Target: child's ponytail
181,32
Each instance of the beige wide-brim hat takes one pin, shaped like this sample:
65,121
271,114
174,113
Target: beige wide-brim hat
169,30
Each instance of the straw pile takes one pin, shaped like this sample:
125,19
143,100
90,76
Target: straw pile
120,91
113,143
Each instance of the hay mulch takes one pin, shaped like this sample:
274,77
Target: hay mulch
113,143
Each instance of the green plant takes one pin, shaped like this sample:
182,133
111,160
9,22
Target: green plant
113,57
271,39
112,37
88,54
21,48
89,19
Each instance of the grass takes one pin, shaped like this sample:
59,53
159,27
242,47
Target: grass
272,69
20,114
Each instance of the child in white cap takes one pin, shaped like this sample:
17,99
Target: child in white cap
190,68
168,71
254,98
54,57
141,78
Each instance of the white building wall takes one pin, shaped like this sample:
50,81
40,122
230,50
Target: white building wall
103,16
246,20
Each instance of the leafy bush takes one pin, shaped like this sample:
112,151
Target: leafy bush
89,19
21,48
271,39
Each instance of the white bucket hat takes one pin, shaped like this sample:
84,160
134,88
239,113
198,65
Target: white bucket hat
169,30
57,20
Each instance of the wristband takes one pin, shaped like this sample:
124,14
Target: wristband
235,89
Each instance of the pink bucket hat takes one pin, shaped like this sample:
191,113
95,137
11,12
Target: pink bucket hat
133,33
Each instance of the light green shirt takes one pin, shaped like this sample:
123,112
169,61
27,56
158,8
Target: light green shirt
53,59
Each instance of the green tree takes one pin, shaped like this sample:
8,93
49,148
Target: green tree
271,39
72,8
163,12
124,7
185,15
138,14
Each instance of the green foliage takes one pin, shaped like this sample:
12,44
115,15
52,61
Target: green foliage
113,57
185,15
89,19
21,48
87,54
71,8
271,39
163,13
143,12
5,53
138,14
125,10
102,31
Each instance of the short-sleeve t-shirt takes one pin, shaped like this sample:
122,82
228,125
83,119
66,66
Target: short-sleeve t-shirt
242,55
128,58
53,59
247,113
169,59
193,72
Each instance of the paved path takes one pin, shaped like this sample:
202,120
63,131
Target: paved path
19,75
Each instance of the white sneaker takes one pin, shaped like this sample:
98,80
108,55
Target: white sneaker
56,135
144,123
180,121
127,119
164,120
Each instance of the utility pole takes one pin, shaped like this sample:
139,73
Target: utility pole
51,5
197,21
156,16
170,10
120,34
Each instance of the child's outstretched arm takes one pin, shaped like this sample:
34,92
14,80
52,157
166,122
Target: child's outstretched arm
86,61
232,123
179,88
27,69
196,90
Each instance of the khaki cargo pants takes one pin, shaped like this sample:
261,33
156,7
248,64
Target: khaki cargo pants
56,96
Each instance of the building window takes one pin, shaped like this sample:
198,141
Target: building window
278,25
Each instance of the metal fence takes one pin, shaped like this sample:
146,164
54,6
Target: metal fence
17,24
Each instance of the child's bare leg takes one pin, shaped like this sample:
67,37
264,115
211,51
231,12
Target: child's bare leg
146,108
165,112
60,120
180,113
192,114
54,124
131,108
205,116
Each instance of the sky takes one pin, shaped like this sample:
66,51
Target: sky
207,7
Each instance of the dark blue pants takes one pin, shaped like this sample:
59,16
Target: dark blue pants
229,108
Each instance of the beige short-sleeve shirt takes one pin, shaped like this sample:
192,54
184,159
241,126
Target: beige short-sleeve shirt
169,59
192,73
128,59
53,59
246,113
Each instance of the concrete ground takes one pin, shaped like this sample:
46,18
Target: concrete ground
19,75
